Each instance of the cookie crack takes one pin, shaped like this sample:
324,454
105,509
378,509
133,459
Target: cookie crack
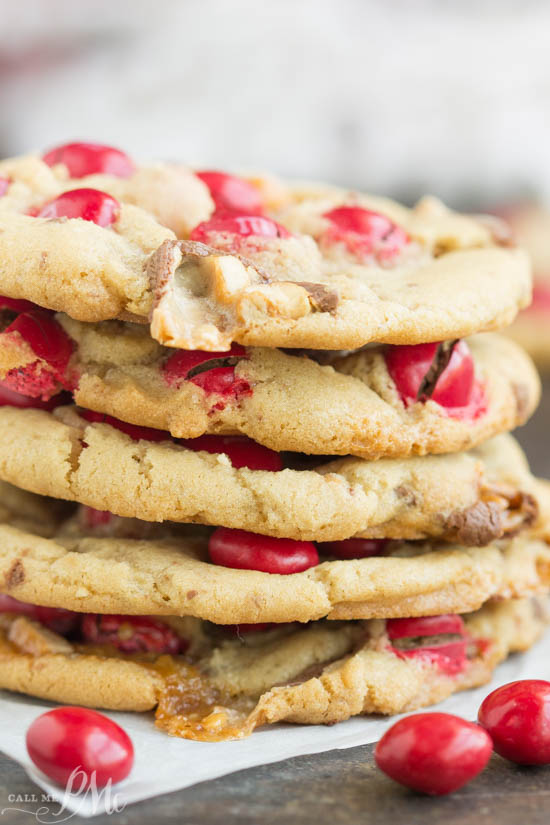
78,445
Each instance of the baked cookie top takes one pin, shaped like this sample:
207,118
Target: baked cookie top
380,401
315,267
229,683
473,498
99,563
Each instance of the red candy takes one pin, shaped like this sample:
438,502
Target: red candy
365,233
456,387
181,362
83,159
219,380
50,343
18,304
4,186
56,618
70,739
354,548
424,626
133,430
241,451
87,204
241,225
93,518
449,657
222,381
232,194
517,716
250,551
10,398
132,634
47,339
435,753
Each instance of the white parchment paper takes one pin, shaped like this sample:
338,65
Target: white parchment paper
165,764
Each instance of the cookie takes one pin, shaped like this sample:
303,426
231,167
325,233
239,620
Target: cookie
455,497
392,275
88,566
316,674
281,400
171,193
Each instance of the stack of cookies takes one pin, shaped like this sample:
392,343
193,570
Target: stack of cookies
253,447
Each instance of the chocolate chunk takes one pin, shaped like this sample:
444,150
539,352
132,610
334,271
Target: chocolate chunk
506,513
530,508
414,642
523,511
407,493
160,266
199,250
476,526
440,361
311,672
15,575
322,298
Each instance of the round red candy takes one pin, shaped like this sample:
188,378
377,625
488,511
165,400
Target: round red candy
222,381
135,431
132,634
419,626
408,365
218,377
55,618
83,159
448,657
354,548
243,226
517,716
81,742
51,344
435,753
4,186
11,398
93,518
47,339
181,362
232,194
19,304
365,233
86,204
250,551
241,451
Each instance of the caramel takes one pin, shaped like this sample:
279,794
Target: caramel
191,707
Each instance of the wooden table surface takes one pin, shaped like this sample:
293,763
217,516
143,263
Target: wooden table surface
339,787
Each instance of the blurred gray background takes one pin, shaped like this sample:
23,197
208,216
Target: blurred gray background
395,96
